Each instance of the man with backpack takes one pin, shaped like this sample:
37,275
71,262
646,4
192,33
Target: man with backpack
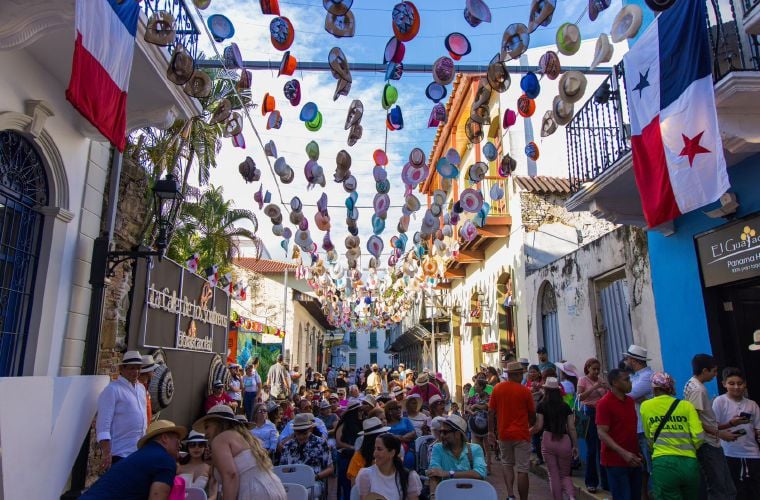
675,433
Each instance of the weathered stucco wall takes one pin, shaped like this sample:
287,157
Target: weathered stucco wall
575,278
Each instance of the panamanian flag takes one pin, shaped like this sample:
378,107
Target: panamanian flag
103,50
677,150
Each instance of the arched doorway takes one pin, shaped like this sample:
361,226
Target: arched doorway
504,311
23,189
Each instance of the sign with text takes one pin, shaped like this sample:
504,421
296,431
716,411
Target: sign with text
731,252
174,308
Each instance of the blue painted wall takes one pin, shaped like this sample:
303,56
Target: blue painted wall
646,19
681,316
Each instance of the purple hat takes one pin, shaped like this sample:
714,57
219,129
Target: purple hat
443,70
381,203
476,12
471,200
412,175
375,246
437,115
292,91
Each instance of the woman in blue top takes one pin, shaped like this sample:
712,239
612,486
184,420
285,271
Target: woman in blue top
403,428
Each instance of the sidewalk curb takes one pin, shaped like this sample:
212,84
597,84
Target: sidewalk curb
580,491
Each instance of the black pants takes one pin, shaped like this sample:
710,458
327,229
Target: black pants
746,475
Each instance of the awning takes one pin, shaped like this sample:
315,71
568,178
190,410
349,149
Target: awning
313,307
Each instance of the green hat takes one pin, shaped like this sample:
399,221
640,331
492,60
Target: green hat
390,96
312,149
315,124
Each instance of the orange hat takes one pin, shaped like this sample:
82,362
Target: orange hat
526,106
287,65
267,104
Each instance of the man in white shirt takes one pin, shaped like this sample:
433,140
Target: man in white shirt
641,390
278,378
374,381
122,412
716,477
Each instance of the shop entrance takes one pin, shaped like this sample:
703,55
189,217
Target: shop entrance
738,317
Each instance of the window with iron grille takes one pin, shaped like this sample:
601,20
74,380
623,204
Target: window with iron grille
352,359
23,187
373,340
373,358
352,340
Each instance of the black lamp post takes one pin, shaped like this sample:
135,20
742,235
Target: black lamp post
167,199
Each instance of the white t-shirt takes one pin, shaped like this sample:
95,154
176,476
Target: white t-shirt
419,421
725,409
371,480
695,392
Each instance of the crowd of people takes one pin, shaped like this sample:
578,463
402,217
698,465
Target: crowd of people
398,433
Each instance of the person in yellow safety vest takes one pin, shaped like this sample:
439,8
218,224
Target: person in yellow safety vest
675,433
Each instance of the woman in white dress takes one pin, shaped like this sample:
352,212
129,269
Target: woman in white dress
241,465
387,476
192,467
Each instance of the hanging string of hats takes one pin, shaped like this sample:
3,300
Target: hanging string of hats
350,297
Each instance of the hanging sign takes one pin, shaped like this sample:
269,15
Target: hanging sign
491,347
731,252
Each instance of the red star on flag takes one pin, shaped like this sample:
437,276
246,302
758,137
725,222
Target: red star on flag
692,148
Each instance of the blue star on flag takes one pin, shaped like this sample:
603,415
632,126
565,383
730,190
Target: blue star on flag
643,82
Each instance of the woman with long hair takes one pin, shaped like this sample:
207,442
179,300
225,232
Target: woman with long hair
364,456
264,429
346,432
402,428
387,476
492,376
559,444
241,465
192,467
591,388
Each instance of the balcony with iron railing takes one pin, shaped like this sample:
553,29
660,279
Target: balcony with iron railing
187,29
598,137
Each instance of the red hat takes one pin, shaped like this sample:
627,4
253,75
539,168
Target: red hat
270,7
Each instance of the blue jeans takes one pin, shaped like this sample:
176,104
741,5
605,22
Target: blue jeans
625,482
594,470
344,483
249,401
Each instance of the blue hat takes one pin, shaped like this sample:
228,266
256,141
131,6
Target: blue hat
395,120
378,224
529,84
446,169
394,70
308,112
435,92
489,151
221,27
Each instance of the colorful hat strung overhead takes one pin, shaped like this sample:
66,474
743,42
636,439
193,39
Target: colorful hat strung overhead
270,7
260,198
406,21
531,151
248,170
389,97
199,85
443,70
395,119
292,91
510,118
181,66
568,39
476,12
514,41
497,192
221,28
380,158
340,70
529,84
435,92
267,104
572,86
526,106
274,120
222,112
597,6
507,165
548,125
232,57
660,5
354,115
477,172
437,115
340,26
287,64
160,29
627,23
270,149
541,12
562,111
550,65
337,7
394,51
458,45
394,71
497,75
315,124
474,131
281,33
602,51
471,200
490,152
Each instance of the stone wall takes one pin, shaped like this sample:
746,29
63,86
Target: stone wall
541,209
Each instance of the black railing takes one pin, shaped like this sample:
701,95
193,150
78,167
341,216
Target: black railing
597,136
599,133
187,30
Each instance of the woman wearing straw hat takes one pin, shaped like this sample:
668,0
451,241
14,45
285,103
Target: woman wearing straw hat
241,465
192,467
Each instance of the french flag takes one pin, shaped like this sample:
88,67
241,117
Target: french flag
677,150
102,64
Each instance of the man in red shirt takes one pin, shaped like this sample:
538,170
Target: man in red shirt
616,423
218,397
512,406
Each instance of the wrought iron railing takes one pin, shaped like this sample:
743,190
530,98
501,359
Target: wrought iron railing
749,5
187,29
599,133
597,136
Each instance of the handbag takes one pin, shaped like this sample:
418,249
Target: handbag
582,420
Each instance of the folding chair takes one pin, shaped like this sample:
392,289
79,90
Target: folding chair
296,491
296,474
456,489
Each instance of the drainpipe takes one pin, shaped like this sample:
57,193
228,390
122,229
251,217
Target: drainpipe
284,311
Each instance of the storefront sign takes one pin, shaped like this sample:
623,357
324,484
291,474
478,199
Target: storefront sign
175,308
731,252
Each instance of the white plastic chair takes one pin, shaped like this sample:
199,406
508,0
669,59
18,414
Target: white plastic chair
195,494
296,491
296,474
456,489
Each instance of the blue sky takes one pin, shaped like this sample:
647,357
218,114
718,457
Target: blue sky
312,43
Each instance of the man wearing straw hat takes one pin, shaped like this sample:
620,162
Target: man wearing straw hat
122,412
310,450
147,473
454,457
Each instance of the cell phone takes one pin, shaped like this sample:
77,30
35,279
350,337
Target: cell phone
746,415
739,432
